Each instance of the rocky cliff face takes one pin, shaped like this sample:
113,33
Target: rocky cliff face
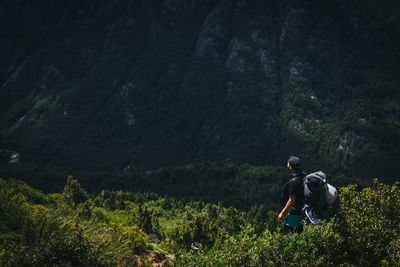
143,84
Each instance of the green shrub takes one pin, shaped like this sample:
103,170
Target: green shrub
369,221
35,231
73,192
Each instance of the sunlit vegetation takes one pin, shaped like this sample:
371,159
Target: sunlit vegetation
117,228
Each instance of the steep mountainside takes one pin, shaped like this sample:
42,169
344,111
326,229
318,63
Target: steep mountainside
117,84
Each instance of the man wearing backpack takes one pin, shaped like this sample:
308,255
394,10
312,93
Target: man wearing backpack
292,198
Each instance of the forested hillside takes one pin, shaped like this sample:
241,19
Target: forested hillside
241,186
118,228
117,85
178,118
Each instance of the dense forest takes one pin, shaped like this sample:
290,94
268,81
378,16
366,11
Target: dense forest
240,186
112,85
119,228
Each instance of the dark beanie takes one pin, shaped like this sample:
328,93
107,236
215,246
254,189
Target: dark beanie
295,162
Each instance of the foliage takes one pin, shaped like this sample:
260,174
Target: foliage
235,185
371,218
73,192
117,228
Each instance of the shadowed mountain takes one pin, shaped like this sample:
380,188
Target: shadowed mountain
113,85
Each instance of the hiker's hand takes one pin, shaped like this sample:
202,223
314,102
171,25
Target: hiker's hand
280,216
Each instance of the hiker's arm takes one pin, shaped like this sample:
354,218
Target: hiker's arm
288,205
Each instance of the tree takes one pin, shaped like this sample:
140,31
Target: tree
73,192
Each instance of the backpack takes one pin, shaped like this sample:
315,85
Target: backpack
320,197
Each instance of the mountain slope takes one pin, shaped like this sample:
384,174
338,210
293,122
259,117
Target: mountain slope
110,85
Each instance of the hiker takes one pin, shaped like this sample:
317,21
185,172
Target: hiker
292,198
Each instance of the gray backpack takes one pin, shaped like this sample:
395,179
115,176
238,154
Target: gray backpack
319,197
